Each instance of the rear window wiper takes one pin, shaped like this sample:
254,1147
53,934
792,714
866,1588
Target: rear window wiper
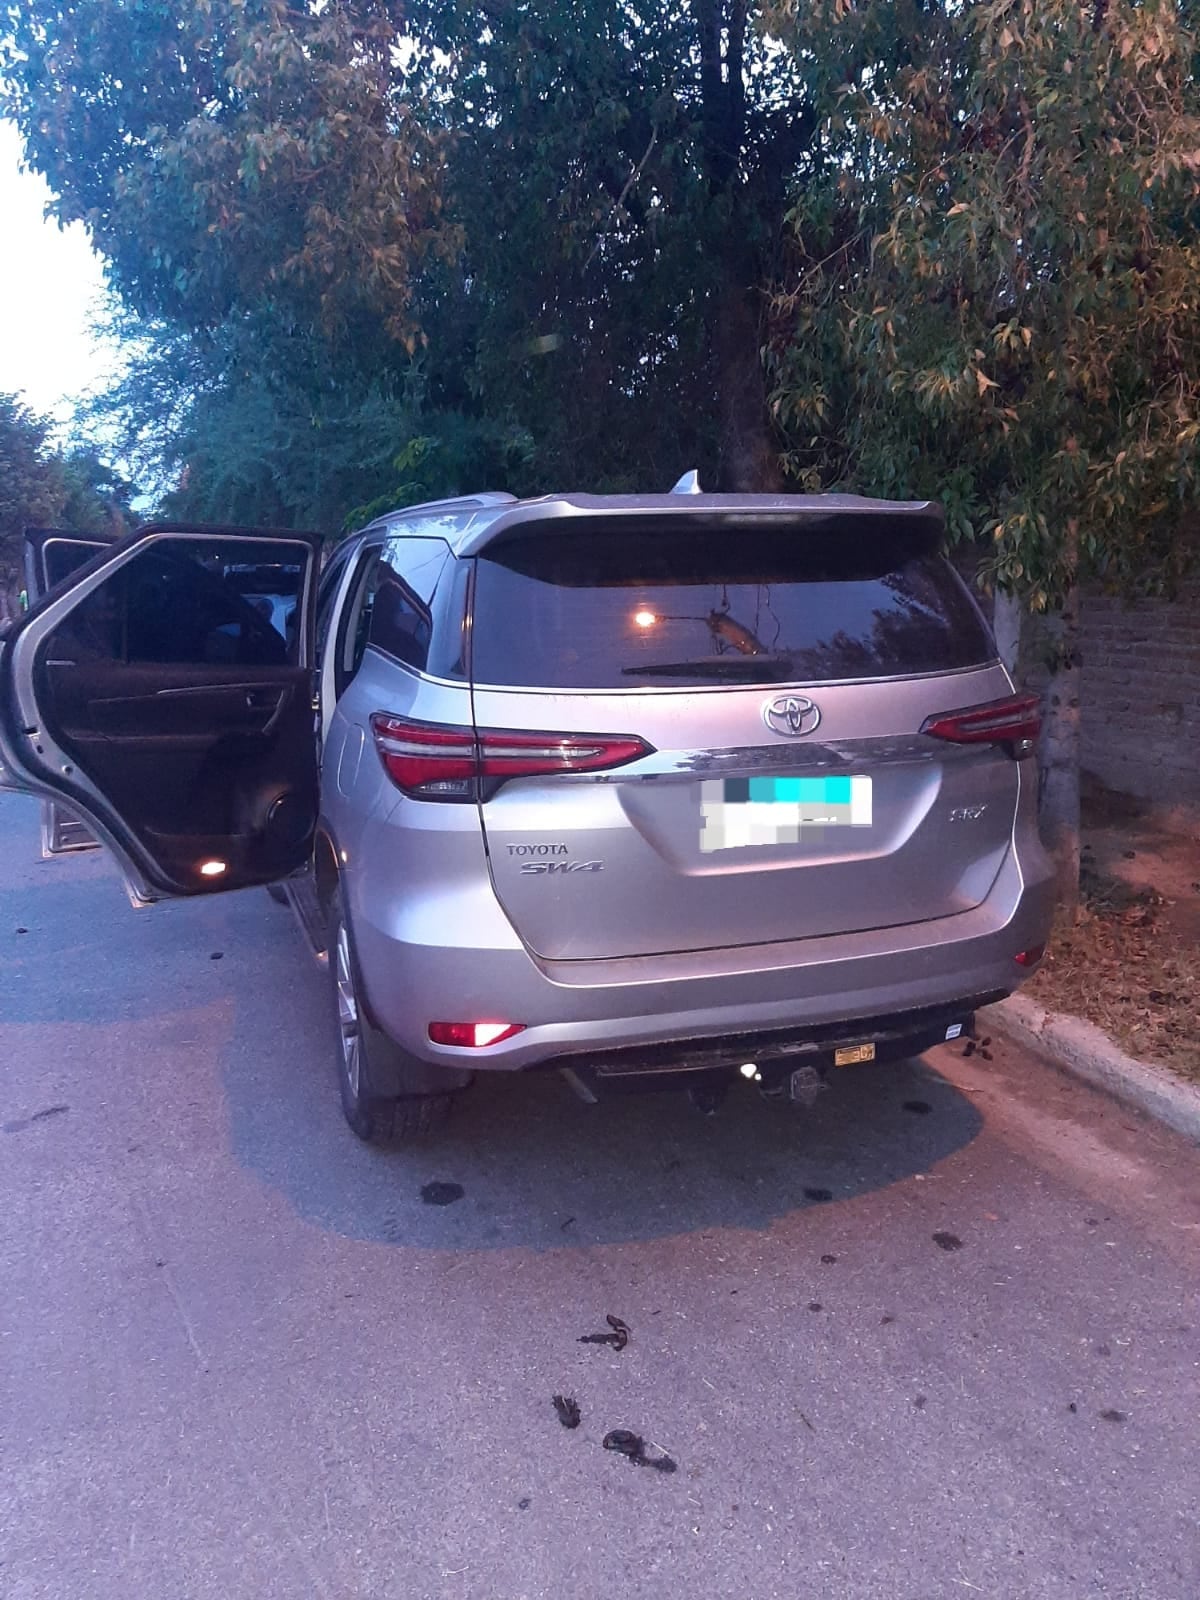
766,667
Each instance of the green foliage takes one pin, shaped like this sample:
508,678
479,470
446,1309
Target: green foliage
236,155
994,293
619,177
463,457
97,498
32,488
252,425
40,487
546,221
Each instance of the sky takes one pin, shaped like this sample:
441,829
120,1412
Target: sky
50,284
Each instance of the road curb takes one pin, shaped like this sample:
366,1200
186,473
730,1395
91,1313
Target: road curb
1085,1051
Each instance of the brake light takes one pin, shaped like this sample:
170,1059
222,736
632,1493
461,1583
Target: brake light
473,1035
1015,720
431,762
1030,957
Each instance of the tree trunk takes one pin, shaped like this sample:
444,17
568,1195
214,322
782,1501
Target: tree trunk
1006,625
749,453
1060,753
10,595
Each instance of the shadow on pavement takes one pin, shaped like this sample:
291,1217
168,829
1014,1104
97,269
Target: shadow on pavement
539,1169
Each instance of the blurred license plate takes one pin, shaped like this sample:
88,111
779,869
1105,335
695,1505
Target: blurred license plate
737,813
851,1054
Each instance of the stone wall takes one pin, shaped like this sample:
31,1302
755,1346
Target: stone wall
1141,696
1140,690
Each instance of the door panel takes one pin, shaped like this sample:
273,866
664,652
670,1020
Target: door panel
162,697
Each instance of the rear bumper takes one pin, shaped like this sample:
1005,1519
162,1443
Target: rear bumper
777,1054
593,1008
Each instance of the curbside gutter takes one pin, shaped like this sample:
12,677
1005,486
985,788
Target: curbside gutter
1084,1051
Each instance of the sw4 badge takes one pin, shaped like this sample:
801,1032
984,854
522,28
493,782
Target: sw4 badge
540,868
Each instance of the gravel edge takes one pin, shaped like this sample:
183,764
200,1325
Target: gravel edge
1085,1051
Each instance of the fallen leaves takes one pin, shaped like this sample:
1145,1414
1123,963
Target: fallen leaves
1120,968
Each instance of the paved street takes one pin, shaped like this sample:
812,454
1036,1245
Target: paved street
940,1337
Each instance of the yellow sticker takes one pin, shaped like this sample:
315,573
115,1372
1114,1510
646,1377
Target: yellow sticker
850,1055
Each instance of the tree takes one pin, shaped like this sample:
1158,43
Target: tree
41,486
235,156
564,213
620,178
994,300
97,498
32,489
250,424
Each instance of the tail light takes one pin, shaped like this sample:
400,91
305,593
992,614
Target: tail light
473,1035
431,762
1015,721
1030,957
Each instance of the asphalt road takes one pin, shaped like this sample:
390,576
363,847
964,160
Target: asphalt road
241,1358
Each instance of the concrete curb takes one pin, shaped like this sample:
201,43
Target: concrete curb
1084,1051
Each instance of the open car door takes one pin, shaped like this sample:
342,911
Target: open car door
170,708
51,555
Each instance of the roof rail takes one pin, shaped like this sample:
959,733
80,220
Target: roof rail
465,502
688,484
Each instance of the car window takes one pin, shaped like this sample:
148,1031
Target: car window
61,557
179,603
355,621
272,588
409,578
620,606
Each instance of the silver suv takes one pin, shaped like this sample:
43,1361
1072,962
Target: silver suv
654,788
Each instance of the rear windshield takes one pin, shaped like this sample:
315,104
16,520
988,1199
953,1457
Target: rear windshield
684,605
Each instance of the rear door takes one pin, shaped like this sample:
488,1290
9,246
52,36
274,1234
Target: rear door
163,706
781,670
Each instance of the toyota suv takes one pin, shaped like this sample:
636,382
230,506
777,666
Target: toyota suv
651,789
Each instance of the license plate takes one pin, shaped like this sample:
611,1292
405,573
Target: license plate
851,1054
739,813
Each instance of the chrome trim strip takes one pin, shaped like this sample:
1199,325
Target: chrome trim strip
782,687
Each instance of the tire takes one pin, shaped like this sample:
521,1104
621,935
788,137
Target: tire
367,1058
275,890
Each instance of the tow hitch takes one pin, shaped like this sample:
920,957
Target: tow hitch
804,1085
800,1087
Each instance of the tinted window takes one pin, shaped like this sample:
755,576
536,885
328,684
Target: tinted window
272,588
178,603
614,607
61,557
355,624
408,585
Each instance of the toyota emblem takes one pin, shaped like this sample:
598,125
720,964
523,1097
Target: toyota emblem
791,714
